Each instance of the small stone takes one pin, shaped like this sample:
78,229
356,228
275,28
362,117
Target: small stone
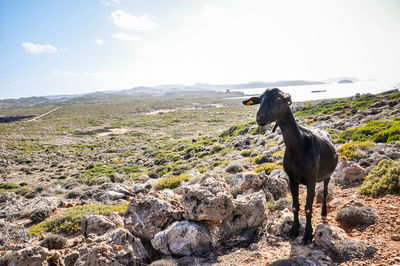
396,238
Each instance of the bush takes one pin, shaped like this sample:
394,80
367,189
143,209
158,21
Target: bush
382,131
356,216
69,221
9,186
236,130
268,168
171,181
246,153
353,150
382,179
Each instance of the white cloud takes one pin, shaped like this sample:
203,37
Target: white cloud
99,41
127,21
125,37
69,74
151,50
33,48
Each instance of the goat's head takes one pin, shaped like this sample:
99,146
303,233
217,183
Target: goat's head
274,104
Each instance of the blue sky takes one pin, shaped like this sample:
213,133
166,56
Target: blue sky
75,46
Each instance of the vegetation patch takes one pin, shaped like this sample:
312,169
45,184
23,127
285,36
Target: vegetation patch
246,153
70,220
382,179
171,181
236,130
323,108
354,150
9,186
259,130
268,168
382,131
98,171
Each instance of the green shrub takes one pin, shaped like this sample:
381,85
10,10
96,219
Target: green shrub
259,130
268,168
9,186
171,181
236,130
70,220
215,149
382,179
353,150
246,153
383,131
96,172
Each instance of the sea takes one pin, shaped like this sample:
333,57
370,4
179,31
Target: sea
330,90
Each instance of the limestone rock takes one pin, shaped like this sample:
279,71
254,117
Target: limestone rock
96,224
54,241
249,211
152,213
327,235
24,207
118,247
209,200
29,255
348,172
39,215
183,239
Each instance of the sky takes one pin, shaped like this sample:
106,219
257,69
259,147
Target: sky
52,47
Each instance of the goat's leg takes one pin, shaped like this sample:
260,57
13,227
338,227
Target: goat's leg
324,212
294,188
307,239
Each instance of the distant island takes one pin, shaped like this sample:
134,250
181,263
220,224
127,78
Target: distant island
344,81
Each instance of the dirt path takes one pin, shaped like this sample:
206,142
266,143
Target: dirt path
40,116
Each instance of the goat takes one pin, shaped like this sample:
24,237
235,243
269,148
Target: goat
310,156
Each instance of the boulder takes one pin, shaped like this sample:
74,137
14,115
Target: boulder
54,241
208,200
7,196
349,249
183,238
12,234
234,167
327,235
348,172
356,214
39,215
275,187
245,181
282,223
283,203
118,247
152,213
96,224
24,207
319,195
249,211
28,255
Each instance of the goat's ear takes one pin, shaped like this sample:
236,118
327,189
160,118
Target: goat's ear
252,101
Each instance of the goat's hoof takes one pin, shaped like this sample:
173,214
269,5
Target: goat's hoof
307,241
293,233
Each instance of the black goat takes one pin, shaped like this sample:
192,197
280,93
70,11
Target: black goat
310,156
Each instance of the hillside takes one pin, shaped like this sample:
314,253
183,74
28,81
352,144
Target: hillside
184,180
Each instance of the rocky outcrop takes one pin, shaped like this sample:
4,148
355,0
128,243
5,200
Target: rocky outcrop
183,239
23,208
96,224
249,212
348,172
208,200
152,213
327,235
118,247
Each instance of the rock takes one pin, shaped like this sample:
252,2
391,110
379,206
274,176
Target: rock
356,214
249,211
39,215
96,224
71,258
320,194
209,200
349,249
99,181
29,255
327,235
283,203
24,207
245,181
54,241
154,176
118,247
296,261
321,126
7,196
234,168
348,172
183,239
277,187
281,225
280,174
12,234
152,213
